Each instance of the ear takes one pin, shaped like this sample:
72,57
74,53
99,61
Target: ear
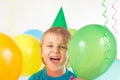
40,49
68,64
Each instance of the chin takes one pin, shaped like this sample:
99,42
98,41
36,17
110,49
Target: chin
54,68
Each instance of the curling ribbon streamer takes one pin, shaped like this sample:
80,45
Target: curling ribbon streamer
10,19
104,13
113,17
107,46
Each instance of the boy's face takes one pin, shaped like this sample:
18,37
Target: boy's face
54,51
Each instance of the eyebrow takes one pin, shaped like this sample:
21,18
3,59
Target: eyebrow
52,43
49,42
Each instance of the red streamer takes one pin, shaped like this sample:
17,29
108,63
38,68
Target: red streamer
113,16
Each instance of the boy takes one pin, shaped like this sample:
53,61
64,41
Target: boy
54,46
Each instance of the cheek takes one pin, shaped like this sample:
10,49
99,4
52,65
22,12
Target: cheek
45,53
65,56
45,58
44,50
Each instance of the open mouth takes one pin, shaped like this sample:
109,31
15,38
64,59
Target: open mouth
54,59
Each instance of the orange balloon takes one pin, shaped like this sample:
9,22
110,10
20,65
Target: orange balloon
10,58
30,47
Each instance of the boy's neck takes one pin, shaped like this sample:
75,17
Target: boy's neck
57,73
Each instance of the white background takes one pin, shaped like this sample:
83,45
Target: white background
17,16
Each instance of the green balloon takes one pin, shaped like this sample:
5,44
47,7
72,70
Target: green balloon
92,50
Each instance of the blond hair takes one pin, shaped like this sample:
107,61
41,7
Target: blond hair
58,31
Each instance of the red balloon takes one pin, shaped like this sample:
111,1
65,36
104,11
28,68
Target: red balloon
10,58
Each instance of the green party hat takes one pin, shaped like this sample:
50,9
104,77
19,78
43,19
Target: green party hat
60,20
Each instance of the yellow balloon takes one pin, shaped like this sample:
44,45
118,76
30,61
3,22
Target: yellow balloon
72,31
10,58
30,47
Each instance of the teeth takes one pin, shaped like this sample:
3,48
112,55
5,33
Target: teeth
54,57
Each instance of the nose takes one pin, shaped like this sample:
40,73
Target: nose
55,50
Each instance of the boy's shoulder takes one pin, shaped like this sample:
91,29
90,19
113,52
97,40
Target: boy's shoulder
37,75
70,72
41,75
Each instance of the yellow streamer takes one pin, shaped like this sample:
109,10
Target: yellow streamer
104,13
10,19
